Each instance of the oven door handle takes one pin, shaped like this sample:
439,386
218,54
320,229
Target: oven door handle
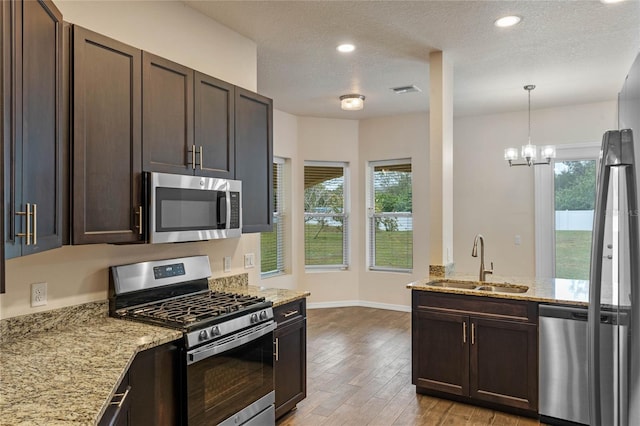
240,339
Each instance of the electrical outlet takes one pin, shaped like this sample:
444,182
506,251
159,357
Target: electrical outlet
227,264
517,240
38,294
249,260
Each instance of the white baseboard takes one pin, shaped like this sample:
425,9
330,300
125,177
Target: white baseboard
362,303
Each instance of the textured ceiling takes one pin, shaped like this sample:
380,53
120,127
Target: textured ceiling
573,51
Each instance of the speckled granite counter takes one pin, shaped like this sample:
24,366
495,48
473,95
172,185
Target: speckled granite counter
68,376
62,367
561,291
239,284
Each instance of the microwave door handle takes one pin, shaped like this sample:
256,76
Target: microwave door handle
228,202
222,210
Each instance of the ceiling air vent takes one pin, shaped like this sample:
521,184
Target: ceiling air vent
406,89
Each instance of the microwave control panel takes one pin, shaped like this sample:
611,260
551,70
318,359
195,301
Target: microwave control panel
235,210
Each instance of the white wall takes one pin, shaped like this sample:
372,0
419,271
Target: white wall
78,274
497,201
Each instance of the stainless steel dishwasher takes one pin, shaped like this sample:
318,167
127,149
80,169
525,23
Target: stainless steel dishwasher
563,386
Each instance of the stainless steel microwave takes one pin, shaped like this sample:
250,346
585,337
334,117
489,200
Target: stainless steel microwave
193,208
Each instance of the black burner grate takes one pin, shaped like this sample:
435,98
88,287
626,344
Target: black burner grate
193,308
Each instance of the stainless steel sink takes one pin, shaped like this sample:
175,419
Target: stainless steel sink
485,287
454,284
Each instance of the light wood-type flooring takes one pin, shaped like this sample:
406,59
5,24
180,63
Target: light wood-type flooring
359,373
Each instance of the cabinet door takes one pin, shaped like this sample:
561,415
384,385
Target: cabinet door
504,363
118,411
167,120
214,127
254,159
440,352
290,366
36,157
154,377
5,32
107,145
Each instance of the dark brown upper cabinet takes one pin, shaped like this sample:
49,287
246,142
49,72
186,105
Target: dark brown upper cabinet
107,145
32,121
5,33
254,159
167,121
214,127
188,123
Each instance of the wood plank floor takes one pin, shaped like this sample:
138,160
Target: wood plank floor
359,373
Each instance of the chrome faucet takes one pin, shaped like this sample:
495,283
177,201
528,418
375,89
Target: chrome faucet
474,253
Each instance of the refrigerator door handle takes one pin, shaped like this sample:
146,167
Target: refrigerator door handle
617,150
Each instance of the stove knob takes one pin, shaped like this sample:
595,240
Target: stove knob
254,318
204,335
215,331
263,315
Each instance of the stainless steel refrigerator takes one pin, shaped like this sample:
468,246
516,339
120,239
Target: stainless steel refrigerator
616,290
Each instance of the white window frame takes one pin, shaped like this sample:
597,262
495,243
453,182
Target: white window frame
545,250
279,220
371,215
345,215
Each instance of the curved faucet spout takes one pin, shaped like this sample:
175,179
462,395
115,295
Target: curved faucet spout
474,253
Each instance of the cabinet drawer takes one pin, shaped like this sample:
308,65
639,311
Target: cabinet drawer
515,310
291,311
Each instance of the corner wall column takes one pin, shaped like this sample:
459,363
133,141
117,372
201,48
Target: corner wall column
440,163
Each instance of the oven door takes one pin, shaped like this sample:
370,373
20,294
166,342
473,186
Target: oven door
229,376
193,208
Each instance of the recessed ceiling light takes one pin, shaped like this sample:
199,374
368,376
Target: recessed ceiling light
346,48
611,1
507,21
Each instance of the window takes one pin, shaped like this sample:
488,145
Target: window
390,216
565,196
326,219
272,243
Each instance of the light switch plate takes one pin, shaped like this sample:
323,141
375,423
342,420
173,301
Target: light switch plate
38,294
249,260
227,264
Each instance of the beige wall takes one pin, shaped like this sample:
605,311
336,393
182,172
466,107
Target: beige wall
285,145
172,30
78,274
488,197
322,139
497,201
388,138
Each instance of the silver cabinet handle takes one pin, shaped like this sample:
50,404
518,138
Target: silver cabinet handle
473,333
201,156
277,354
122,396
289,314
139,225
464,332
27,213
193,156
35,224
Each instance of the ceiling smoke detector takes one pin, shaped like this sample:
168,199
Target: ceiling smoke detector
406,89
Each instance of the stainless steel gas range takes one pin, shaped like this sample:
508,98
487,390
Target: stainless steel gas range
227,353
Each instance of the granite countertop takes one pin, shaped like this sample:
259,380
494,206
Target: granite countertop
69,376
557,290
62,367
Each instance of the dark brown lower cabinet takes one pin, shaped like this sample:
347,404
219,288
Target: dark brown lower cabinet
153,397
476,349
290,356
